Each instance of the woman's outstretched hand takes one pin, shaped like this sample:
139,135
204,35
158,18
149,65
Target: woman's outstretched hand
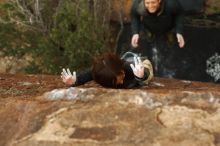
138,68
68,78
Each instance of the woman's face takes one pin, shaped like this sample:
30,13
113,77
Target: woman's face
152,5
120,78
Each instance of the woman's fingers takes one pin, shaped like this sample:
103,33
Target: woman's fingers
135,61
139,60
74,74
133,67
64,72
68,71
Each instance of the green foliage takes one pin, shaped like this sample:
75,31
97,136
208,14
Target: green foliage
63,33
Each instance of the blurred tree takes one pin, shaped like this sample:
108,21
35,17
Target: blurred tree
56,33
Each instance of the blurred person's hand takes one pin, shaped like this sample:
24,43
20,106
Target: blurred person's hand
180,40
68,78
134,40
138,68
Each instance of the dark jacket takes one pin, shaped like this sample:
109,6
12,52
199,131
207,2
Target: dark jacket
130,80
168,17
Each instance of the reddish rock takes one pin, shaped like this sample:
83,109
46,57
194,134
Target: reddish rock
166,112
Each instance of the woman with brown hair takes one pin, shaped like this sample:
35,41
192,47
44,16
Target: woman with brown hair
111,71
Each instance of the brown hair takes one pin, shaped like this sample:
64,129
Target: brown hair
106,68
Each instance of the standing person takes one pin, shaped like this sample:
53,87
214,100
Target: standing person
111,71
157,17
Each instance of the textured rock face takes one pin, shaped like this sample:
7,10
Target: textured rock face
167,112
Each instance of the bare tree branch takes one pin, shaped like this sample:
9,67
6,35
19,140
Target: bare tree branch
121,25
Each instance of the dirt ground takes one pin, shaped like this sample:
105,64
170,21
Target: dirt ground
23,85
27,85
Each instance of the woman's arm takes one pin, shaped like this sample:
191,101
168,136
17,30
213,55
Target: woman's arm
83,77
135,18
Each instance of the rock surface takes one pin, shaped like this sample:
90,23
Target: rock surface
38,110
